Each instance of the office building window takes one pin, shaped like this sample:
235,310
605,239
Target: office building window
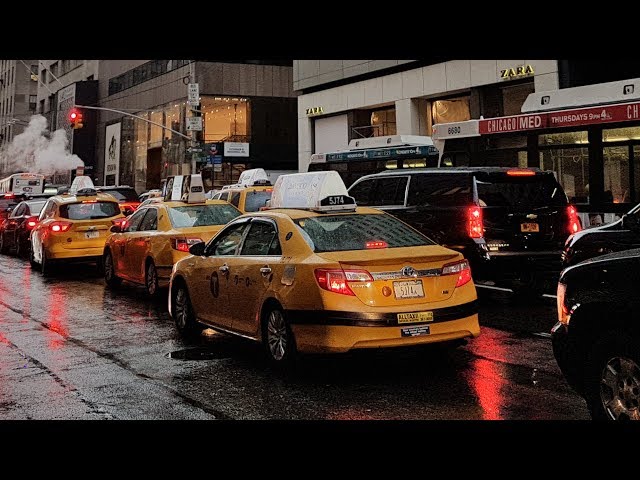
33,100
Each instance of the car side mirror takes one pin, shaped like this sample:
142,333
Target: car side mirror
630,222
115,229
197,249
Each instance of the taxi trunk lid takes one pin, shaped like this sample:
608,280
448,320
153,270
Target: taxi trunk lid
86,233
395,276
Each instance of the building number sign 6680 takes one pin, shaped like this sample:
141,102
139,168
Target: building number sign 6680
454,130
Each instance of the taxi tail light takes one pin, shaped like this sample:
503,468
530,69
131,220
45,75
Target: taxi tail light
475,226
461,269
32,222
377,244
337,280
60,227
182,244
574,220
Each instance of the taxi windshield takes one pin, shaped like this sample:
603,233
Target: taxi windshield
256,199
335,233
89,210
201,215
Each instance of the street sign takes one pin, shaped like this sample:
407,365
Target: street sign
193,94
194,124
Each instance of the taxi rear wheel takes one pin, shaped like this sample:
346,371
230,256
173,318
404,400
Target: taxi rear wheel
183,314
151,279
46,265
277,337
110,277
32,261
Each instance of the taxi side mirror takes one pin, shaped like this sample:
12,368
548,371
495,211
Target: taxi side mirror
116,229
197,249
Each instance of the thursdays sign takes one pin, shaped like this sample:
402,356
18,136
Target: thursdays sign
564,118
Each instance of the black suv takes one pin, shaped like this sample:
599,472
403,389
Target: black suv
510,223
623,234
596,341
127,197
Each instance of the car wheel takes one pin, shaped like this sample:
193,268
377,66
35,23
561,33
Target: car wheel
110,277
183,314
612,378
3,244
45,265
151,279
32,261
277,338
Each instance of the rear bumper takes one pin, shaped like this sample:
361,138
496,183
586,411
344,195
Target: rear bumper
88,254
332,331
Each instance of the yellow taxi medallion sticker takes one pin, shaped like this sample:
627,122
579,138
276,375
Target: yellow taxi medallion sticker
415,317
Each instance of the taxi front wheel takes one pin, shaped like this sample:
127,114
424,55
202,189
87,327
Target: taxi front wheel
151,279
277,337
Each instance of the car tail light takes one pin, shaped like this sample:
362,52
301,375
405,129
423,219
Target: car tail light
460,268
563,311
9,195
59,227
475,227
336,281
377,244
32,222
521,173
574,220
128,208
182,244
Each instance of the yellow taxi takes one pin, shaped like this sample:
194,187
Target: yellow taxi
73,227
316,273
144,248
251,193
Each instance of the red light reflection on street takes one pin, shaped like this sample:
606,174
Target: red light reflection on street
486,376
26,294
57,321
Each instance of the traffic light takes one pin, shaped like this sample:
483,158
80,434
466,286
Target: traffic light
75,118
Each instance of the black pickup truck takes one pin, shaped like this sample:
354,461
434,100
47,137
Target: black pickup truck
596,341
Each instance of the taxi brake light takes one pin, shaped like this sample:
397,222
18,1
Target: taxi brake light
9,195
333,281
521,173
182,244
377,244
59,227
460,268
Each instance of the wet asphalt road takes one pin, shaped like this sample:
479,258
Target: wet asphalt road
72,349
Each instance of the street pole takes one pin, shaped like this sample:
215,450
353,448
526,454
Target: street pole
195,109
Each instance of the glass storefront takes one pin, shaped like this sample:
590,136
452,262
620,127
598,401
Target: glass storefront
567,154
383,122
226,119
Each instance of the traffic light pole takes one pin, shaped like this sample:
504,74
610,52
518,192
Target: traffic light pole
134,116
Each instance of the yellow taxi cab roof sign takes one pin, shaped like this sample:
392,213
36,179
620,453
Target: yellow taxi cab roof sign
253,176
81,182
320,191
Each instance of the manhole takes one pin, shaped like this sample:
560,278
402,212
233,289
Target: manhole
198,354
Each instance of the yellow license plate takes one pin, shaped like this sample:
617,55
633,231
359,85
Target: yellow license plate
416,317
529,227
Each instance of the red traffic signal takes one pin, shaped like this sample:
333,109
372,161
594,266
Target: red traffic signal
75,118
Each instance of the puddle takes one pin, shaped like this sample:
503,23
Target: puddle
198,354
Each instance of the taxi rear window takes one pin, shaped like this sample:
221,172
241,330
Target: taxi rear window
335,233
201,215
89,210
255,199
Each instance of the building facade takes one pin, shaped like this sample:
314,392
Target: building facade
247,111
18,97
345,99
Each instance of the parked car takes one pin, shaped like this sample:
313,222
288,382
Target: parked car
511,223
623,234
596,341
316,273
144,249
126,196
15,230
73,228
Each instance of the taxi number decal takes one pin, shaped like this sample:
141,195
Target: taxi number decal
417,317
246,281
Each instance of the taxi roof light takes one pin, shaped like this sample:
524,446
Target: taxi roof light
81,183
318,191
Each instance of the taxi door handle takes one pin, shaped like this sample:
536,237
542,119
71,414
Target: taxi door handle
265,271
224,268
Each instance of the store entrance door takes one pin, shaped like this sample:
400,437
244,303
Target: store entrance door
154,168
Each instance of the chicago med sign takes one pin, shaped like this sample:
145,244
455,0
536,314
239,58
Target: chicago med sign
565,118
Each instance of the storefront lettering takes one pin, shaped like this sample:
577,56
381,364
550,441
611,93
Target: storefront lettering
314,111
633,112
510,124
518,72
